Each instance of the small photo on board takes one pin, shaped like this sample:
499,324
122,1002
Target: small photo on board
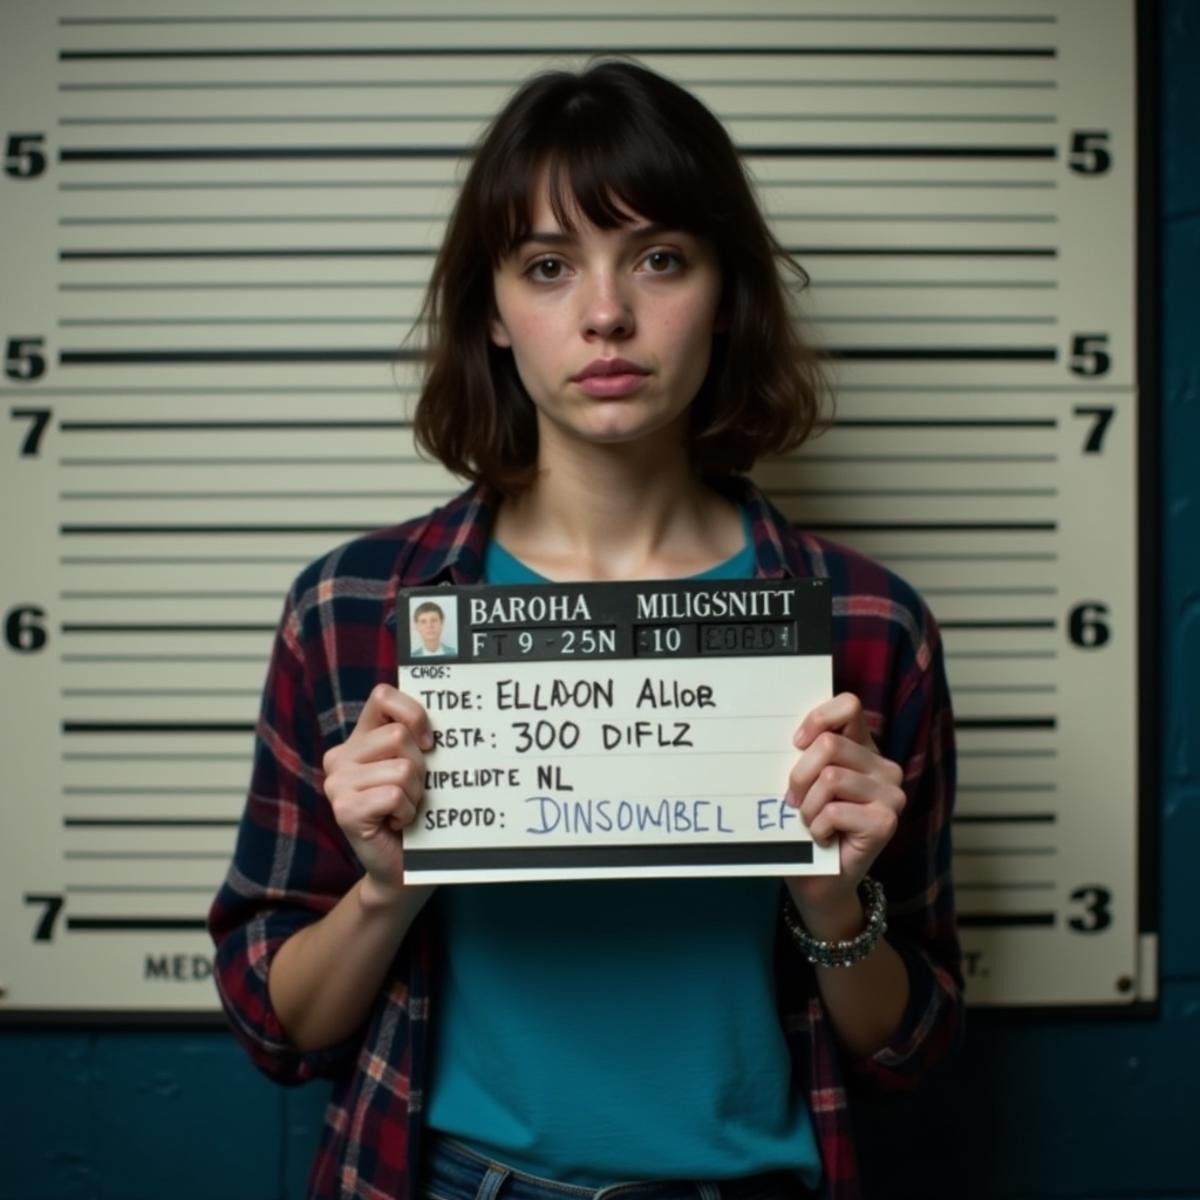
434,627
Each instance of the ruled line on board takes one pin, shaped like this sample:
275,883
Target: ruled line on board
197,691
70,627
925,556
1002,920
165,658
151,790
383,252
476,118
1004,851
928,493
136,924
193,595
1016,886
191,756
363,153
410,217
933,526
137,888
199,322
310,493
150,823
1050,85
1006,819
493,51
548,18
224,426
1023,752
1005,788
388,354
73,530
148,854
1005,723
990,688
373,460
1007,654
240,727
191,560
201,185
1028,623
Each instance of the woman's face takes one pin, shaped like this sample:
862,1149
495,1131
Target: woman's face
570,307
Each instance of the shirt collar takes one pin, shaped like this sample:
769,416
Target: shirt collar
449,547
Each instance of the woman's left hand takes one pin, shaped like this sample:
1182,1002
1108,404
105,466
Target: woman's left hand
842,785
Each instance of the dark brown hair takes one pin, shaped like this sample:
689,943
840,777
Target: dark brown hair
615,138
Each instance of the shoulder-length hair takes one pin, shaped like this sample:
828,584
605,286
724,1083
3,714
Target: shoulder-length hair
614,138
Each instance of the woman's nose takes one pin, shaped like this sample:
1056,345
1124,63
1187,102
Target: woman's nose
607,311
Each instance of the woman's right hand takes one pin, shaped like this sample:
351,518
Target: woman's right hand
375,781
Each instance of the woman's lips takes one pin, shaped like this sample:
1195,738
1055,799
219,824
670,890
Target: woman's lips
612,385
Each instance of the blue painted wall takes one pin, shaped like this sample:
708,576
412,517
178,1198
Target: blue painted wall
1050,1108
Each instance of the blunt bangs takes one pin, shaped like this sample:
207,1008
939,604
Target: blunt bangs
608,151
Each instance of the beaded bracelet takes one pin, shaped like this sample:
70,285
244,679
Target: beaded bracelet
841,953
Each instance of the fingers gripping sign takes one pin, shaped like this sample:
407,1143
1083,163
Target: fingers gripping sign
375,780
843,788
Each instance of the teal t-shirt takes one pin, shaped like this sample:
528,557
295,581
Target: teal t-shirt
606,1030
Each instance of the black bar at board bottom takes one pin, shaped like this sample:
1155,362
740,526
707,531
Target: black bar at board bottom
535,857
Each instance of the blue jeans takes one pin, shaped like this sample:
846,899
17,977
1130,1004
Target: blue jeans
452,1171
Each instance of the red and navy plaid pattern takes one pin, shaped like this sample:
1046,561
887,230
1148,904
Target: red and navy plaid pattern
292,864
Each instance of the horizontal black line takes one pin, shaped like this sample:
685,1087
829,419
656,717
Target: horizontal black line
1006,819
248,252
390,460
158,727
826,251
370,153
135,888
950,423
73,627
935,526
894,151
110,358
115,855
1005,851
997,624
74,358
1004,723
475,118
195,426
260,252
544,18
945,353
159,756
171,658
996,886
493,51
138,789
1002,920
394,492
478,81
132,924
149,823
529,857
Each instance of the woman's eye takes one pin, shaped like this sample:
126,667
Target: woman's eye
660,262
546,268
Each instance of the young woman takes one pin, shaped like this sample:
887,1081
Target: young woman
609,349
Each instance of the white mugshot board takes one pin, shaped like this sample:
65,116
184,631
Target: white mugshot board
217,226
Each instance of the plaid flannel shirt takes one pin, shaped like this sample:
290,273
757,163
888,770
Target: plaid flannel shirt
292,863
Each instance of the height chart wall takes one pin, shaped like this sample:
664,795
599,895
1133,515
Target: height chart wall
218,221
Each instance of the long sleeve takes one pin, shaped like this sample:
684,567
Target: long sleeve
915,870
291,865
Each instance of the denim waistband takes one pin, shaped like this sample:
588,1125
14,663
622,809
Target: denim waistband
452,1171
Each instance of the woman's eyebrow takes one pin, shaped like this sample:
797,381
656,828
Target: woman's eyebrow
567,239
